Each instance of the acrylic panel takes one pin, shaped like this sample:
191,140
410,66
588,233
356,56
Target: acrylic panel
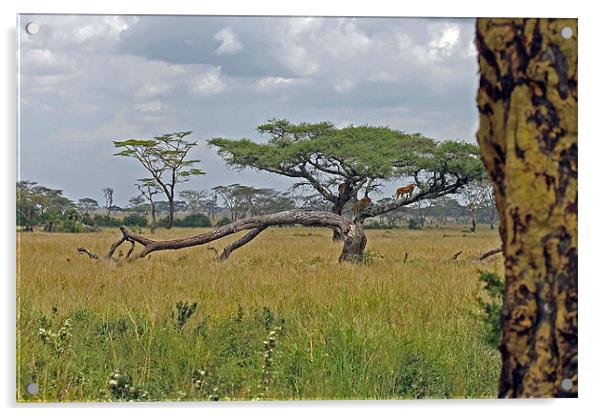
295,208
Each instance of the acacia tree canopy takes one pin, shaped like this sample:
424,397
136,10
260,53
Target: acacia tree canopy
339,162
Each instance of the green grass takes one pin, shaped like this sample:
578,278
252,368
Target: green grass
388,329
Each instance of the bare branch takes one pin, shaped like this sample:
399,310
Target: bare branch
488,254
240,242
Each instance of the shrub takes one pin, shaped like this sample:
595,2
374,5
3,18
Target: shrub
374,225
414,224
69,225
183,313
105,221
193,220
135,220
223,221
492,307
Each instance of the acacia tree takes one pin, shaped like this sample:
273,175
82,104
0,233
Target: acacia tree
195,200
339,163
37,204
476,195
85,205
527,101
164,157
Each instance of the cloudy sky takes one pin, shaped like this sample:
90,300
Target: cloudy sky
88,80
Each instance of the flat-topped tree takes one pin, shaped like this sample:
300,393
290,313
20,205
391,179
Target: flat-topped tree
336,162
164,157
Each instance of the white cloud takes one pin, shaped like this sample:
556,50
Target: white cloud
45,61
270,83
84,29
230,44
150,107
210,83
153,90
447,38
344,85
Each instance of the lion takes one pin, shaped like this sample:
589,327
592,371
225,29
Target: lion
405,190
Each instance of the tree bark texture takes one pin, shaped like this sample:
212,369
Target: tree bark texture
527,100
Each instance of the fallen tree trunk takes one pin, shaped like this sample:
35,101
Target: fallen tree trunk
353,247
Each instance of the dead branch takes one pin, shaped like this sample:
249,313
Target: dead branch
488,254
255,224
83,250
240,242
455,256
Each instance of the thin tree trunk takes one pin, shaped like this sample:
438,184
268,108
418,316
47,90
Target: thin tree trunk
171,213
153,218
527,100
473,220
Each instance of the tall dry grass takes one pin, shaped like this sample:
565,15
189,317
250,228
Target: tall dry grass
387,329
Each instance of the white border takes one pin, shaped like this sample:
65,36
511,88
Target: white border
590,290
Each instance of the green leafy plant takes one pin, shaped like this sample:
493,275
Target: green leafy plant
266,370
183,312
59,341
492,307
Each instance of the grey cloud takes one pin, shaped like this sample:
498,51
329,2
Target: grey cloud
88,80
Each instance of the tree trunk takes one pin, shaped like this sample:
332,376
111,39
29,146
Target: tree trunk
153,218
336,234
354,245
473,220
171,213
527,101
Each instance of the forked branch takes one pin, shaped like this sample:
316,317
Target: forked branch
255,224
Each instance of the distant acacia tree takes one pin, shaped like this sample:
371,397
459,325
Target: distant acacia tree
165,158
86,205
108,193
476,195
37,204
195,200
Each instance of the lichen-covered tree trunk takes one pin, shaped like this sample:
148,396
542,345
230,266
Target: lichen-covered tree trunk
527,100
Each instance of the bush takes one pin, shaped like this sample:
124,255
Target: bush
378,226
189,221
105,221
492,307
70,226
414,224
134,220
193,220
223,221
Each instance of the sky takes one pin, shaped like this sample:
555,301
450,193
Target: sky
85,81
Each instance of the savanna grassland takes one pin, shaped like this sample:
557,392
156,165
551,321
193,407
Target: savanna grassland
281,319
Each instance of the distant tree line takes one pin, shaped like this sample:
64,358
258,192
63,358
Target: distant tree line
40,206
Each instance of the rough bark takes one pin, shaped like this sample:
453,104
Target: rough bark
527,100
353,247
